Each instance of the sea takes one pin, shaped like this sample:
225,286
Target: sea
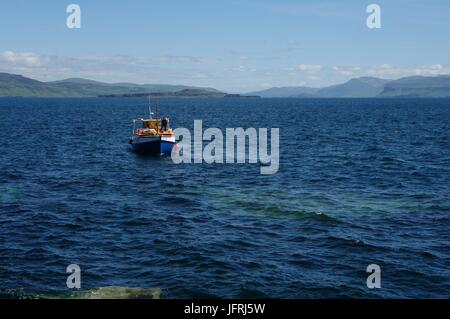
360,182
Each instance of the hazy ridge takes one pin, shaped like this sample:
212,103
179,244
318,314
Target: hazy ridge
13,85
370,87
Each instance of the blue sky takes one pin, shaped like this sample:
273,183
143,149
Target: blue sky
237,46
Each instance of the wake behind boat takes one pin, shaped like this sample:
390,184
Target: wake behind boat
152,136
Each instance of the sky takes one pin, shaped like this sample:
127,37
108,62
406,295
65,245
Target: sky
232,45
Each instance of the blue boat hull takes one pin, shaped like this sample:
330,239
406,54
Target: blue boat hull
157,148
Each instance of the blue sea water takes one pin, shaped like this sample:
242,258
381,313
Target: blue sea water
361,181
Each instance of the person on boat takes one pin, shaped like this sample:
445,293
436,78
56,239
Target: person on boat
165,123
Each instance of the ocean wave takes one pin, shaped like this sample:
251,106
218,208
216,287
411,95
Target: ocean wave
281,212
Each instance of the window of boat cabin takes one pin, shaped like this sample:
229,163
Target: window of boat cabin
152,124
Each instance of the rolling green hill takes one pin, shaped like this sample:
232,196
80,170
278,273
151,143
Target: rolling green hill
17,85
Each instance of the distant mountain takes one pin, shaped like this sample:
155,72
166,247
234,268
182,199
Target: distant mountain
287,91
366,87
360,87
418,86
17,85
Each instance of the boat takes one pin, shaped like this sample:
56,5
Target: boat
152,136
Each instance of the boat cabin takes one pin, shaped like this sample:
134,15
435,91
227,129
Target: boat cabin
151,127
152,124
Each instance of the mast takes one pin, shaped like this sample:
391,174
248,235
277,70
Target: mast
156,98
150,106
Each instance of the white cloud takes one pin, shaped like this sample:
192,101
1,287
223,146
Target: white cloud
390,71
20,59
346,70
309,68
199,76
237,68
108,68
310,72
313,77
